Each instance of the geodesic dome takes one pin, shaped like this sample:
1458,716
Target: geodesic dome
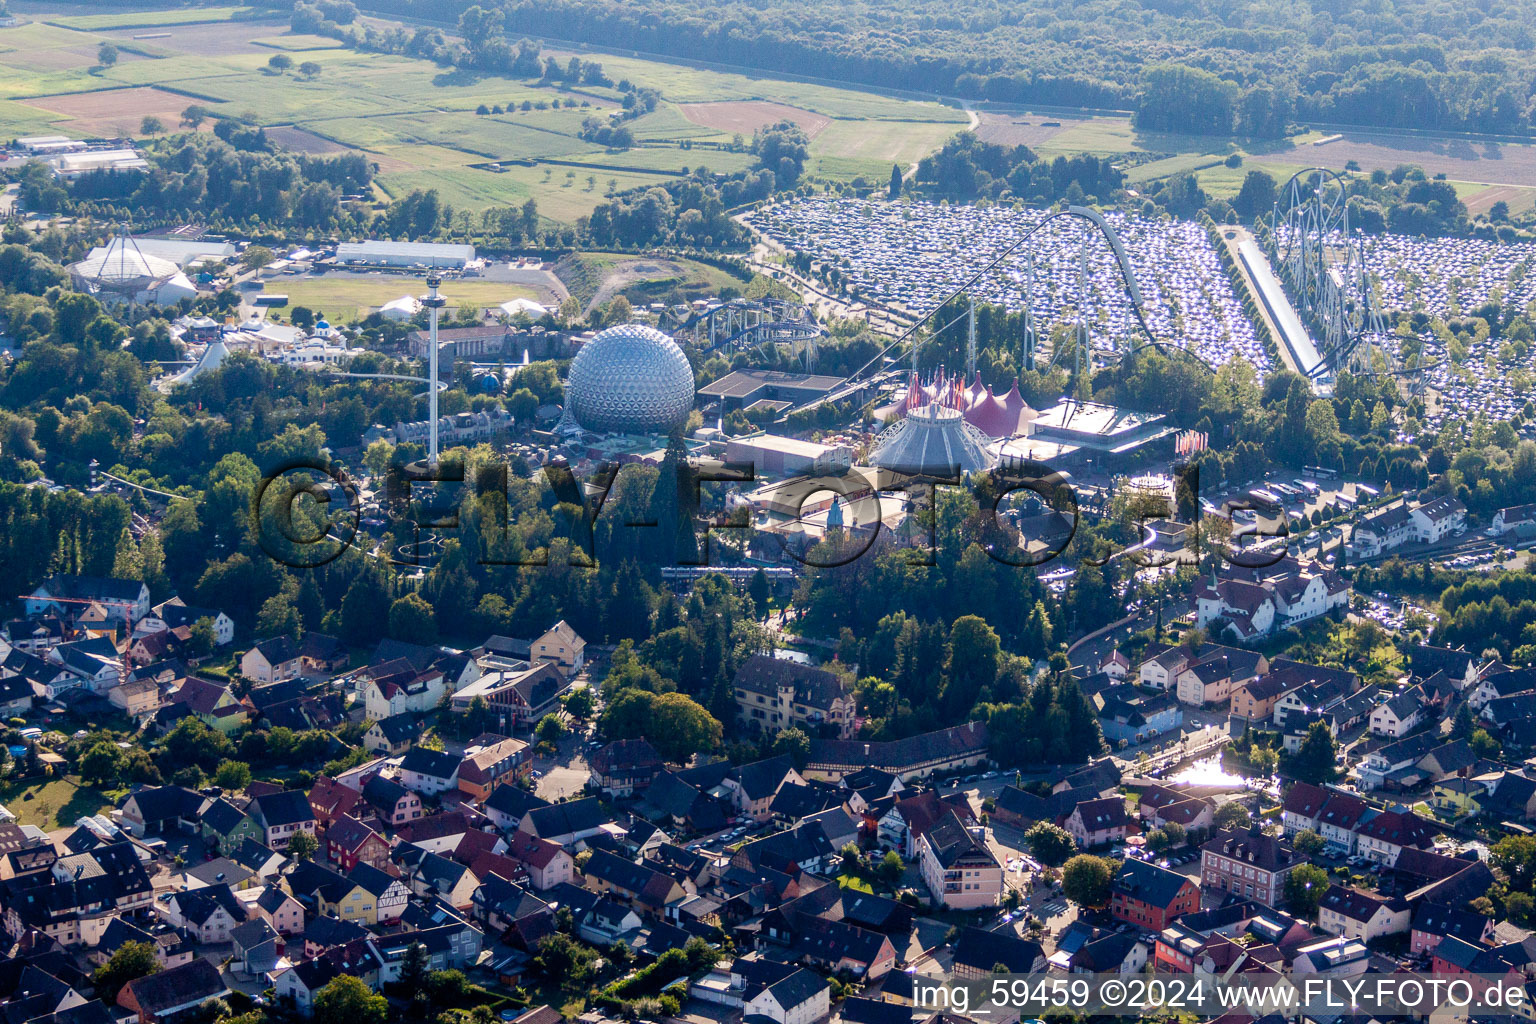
630,379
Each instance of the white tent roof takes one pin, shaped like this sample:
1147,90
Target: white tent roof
402,308
516,306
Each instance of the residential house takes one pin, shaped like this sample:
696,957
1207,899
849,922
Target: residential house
213,704
1399,715
624,767
1150,897
1355,914
507,804
283,815
256,947
1249,864
1335,957
960,871
392,736
487,765
395,804
641,886
399,689
1114,953
272,661
547,863
176,614
124,600
225,825
1384,837
1209,680
977,951
566,823
560,647
389,895
429,772
348,842
279,909
164,995
1099,822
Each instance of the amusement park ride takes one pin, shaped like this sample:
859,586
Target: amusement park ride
1323,267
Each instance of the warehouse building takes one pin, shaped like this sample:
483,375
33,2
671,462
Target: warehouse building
438,255
745,389
775,455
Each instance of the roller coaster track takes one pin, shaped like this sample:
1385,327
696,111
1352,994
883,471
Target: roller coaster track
744,323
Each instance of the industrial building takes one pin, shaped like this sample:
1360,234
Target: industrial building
1073,431
70,165
776,455
438,255
767,389
179,251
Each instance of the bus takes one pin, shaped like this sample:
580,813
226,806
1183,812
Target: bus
1265,501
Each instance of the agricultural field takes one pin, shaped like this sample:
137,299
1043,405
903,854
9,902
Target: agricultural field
346,297
417,121
154,19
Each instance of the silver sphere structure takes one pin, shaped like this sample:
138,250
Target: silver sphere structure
630,379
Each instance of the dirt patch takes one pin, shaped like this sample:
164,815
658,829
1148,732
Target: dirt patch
216,39
1457,159
301,141
747,116
1021,129
115,113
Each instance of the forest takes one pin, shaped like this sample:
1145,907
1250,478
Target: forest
1197,65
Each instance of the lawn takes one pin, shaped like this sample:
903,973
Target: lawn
151,19
54,804
345,298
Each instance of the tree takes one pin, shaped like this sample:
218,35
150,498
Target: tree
106,55
280,62
101,764
204,638
1304,888
1050,844
1085,879
581,703
1308,843
550,729
412,619
1515,856
194,116
1315,759
794,742
151,125
349,1000
1233,815
130,961
413,977
890,867
256,256
895,187
1257,196
757,589
303,846
676,725
232,776
973,654
309,69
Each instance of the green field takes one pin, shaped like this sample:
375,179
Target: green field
351,298
52,805
152,19
418,120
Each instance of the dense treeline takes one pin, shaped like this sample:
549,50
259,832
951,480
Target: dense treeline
1411,64
967,168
